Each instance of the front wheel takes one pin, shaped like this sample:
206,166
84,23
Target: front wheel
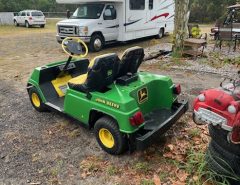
109,136
42,26
16,23
96,43
36,100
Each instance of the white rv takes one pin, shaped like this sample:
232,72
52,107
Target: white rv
98,22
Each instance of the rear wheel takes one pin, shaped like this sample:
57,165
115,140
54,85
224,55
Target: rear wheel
161,33
16,23
42,26
27,25
109,137
96,43
36,100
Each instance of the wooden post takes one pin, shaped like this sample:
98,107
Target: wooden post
180,26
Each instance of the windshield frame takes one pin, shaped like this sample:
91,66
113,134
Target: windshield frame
88,4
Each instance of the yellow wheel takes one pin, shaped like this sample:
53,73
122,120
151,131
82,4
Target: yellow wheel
109,136
106,138
36,100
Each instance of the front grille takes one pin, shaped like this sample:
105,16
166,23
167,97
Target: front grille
67,30
211,117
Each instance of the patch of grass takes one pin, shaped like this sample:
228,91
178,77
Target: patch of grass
142,167
147,182
194,132
12,30
199,172
112,170
163,176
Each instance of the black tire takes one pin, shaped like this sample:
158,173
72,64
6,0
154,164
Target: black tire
119,140
27,25
225,158
42,26
220,173
220,136
160,33
197,121
41,107
15,23
96,43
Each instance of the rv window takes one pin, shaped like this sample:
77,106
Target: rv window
88,11
150,4
110,13
137,4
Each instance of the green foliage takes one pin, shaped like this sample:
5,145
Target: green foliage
43,5
204,11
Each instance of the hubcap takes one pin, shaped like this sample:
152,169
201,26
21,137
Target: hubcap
36,100
97,44
106,138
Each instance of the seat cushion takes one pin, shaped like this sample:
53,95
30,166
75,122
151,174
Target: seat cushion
79,79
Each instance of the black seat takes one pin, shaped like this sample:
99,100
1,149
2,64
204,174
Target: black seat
103,70
131,60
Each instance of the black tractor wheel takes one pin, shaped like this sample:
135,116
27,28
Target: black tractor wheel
109,136
36,100
220,136
96,43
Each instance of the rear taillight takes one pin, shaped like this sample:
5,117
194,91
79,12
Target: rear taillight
235,135
177,89
137,119
30,18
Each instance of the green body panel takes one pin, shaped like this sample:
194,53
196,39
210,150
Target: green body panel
121,102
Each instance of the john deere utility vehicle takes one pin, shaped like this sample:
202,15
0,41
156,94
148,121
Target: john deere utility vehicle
127,109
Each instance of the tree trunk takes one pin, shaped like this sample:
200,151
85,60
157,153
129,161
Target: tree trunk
180,26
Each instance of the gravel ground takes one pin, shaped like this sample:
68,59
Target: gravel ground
49,148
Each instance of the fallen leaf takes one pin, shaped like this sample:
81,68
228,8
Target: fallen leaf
156,180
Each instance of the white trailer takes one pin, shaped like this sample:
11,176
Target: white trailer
98,22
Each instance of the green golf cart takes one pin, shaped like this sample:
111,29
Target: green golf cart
127,109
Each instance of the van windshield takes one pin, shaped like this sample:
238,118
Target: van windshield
88,11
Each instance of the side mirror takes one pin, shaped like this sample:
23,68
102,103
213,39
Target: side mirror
68,14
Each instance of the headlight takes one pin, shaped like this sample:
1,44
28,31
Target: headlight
232,109
83,30
201,97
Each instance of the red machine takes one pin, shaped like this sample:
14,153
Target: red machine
220,106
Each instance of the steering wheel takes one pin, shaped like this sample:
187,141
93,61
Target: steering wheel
73,47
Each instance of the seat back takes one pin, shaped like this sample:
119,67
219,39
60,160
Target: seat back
131,60
102,73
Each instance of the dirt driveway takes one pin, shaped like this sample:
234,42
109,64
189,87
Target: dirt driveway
48,148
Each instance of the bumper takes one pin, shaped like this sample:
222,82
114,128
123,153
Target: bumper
209,117
157,123
60,38
37,22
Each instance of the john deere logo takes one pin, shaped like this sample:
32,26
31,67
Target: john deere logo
109,72
142,95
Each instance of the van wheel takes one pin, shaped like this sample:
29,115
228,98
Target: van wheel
109,137
15,23
96,43
27,25
42,26
160,34
36,100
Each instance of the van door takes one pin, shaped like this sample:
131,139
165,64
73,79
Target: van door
110,23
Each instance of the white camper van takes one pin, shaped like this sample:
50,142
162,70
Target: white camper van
98,22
